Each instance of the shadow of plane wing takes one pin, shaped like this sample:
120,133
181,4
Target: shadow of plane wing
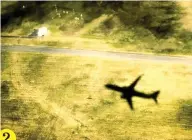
130,102
114,87
133,84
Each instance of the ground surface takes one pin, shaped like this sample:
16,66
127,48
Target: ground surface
58,96
106,54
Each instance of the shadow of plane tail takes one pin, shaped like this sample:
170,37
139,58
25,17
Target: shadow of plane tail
155,95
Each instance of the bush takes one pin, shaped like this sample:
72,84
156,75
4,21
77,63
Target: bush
131,35
162,18
123,36
184,37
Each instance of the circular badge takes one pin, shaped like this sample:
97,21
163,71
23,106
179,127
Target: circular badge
7,134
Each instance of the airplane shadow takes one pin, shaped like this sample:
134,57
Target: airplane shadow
128,92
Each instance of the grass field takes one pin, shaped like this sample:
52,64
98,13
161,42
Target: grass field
62,97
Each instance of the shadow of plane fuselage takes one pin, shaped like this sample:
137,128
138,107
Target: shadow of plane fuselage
128,92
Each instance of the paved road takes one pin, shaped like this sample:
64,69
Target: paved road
105,54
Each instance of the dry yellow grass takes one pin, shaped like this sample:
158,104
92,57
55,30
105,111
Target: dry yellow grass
94,24
72,102
187,18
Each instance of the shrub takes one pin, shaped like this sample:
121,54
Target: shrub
162,18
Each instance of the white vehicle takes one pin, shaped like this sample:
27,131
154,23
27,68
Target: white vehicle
40,32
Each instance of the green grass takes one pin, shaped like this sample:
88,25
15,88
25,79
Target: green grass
86,28
63,97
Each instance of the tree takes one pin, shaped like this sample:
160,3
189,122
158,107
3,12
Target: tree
162,18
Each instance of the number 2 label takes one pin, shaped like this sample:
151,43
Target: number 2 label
7,134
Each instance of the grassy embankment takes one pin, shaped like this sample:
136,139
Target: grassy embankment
62,97
72,26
